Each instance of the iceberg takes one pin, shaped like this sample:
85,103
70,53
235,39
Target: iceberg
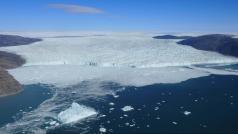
127,108
103,130
186,113
75,113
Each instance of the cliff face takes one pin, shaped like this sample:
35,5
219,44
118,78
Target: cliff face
223,44
14,40
9,60
8,85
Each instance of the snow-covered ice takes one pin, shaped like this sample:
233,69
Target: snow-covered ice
129,59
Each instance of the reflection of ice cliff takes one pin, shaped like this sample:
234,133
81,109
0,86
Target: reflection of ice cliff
135,60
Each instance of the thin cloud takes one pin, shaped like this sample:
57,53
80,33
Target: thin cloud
77,8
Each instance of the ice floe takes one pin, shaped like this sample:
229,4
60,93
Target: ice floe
102,130
175,123
75,113
52,123
186,112
111,104
127,108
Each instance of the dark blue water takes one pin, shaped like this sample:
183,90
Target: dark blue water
12,107
159,108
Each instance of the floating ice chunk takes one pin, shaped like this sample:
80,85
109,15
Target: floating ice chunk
102,116
127,108
175,123
103,130
111,104
115,96
157,118
158,103
187,113
53,123
111,109
156,108
132,125
75,113
202,125
73,92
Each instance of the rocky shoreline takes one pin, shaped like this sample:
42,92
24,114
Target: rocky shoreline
221,43
8,85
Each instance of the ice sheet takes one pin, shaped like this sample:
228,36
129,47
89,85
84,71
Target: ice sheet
115,57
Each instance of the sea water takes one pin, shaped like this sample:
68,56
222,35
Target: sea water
211,102
13,107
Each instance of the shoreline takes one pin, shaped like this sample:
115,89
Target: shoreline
8,84
11,94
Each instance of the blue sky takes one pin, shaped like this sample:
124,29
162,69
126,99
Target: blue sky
120,15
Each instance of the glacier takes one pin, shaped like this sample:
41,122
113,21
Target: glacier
129,59
68,61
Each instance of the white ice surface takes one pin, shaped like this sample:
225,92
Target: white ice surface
75,113
127,108
187,113
126,59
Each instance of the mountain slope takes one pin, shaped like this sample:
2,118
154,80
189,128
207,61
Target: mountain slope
223,44
8,85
